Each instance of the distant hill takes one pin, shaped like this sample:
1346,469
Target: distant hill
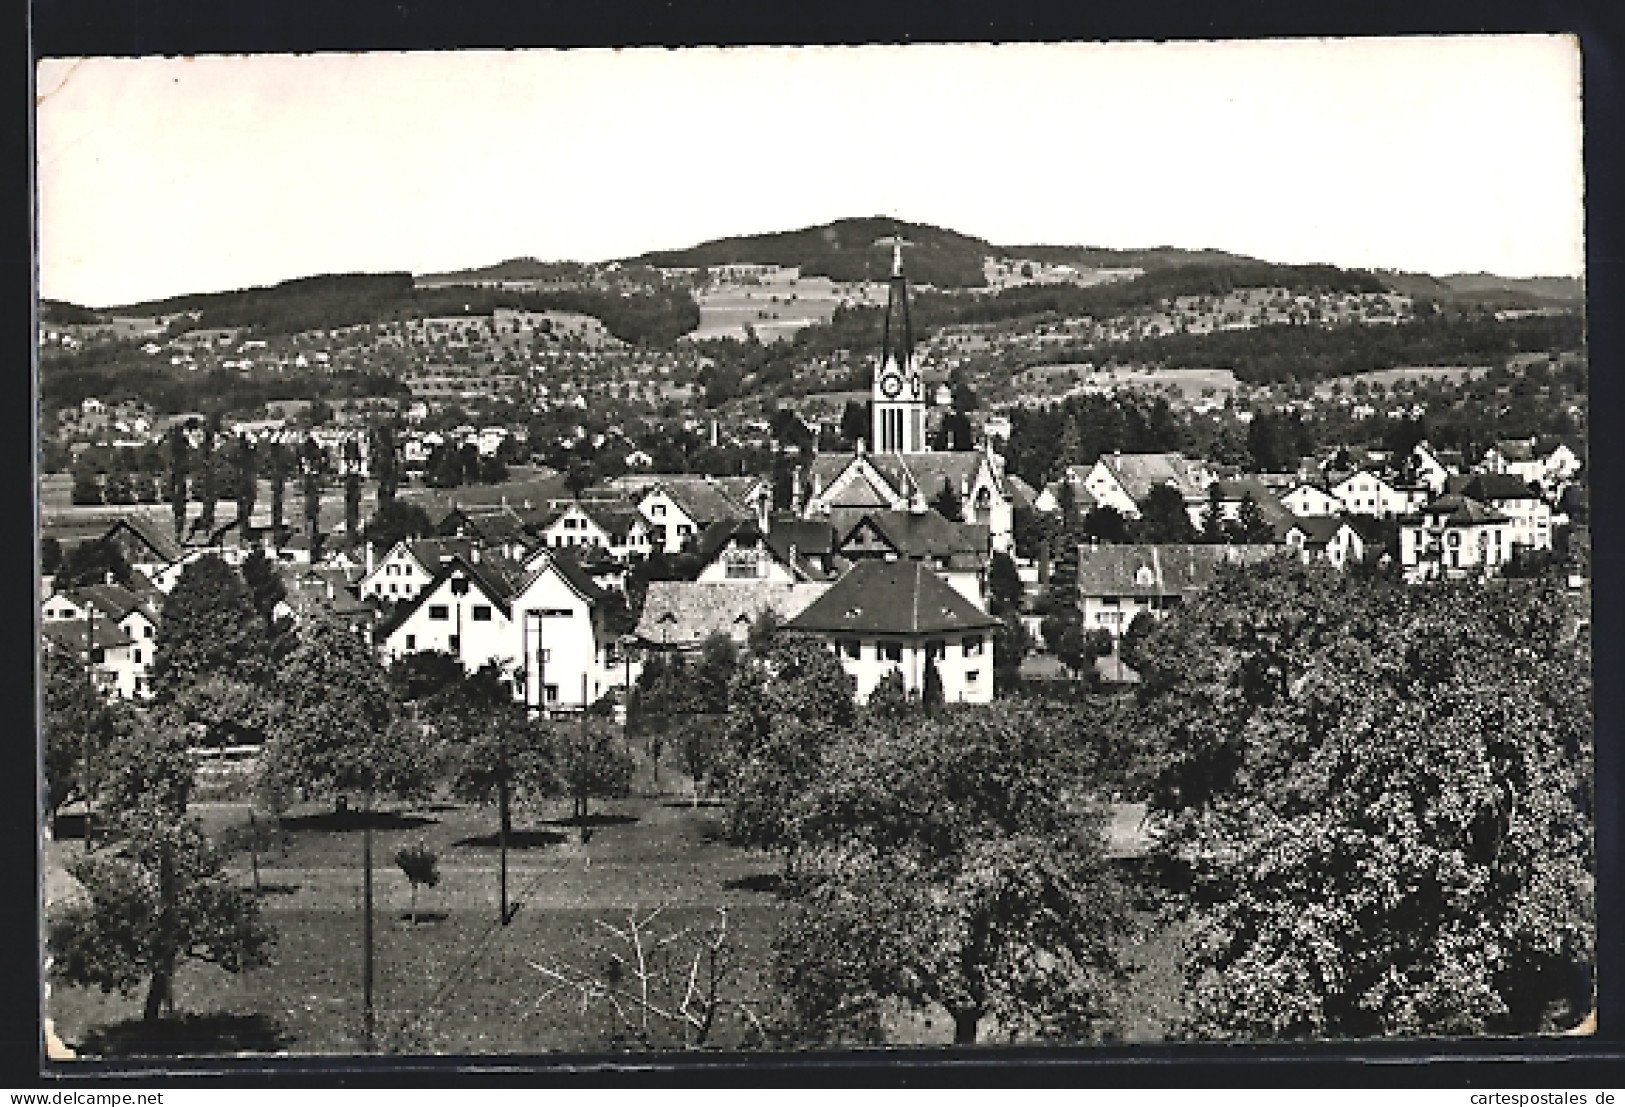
845,250
1100,257
1568,290
1488,290
60,311
514,269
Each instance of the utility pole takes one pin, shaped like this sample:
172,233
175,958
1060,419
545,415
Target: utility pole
502,823
367,1028
90,675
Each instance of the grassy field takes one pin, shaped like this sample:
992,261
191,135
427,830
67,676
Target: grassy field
768,307
457,981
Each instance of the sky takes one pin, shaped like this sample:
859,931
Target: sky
161,176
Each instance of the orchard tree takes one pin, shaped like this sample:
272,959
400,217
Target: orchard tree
207,492
1163,519
1381,796
208,625
247,489
338,730
949,868
177,478
78,729
162,897
279,489
785,707
590,761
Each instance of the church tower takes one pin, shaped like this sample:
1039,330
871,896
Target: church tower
898,392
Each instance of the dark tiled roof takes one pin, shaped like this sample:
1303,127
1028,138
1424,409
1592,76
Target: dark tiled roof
69,634
109,599
1318,529
1487,487
890,597
929,471
923,534
702,500
496,525
1516,449
1021,493
1459,510
1167,570
161,541
779,540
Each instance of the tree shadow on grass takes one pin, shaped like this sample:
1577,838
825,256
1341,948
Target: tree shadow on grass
188,1035
593,821
772,883
517,839
337,821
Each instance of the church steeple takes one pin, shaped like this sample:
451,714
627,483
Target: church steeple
898,392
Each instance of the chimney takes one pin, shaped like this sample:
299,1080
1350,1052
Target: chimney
367,547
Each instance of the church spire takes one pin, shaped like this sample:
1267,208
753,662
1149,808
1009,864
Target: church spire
898,395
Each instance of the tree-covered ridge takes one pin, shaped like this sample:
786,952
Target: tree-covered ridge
845,251
1264,355
645,317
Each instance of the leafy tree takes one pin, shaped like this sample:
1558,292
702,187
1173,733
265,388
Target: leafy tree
279,485
352,503
1381,799
247,489
420,865
177,477
931,694
159,899
1010,644
1106,524
265,586
395,521
207,625
1004,584
385,464
784,708
50,555
1215,528
92,562
856,421
339,730
420,676
224,711
948,868
494,753
147,769
590,760
1251,526
762,629
889,701
948,504
78,727
1163,518
312,462
207,492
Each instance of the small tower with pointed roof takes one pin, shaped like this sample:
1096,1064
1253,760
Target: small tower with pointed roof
899,390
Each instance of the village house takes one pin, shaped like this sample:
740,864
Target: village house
1310,501
1454,536
1118,582
1529,516
1364,492
409,566
496,528
107,650
1337,541
882,617
1231,493
743,550
541,623
619,531
1432,470
1123,481
679,507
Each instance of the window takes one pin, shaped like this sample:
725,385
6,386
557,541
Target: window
138,657
552,693
146,632
453,643
891,651
1453,538
391,588
974,646
936,650
972,676
482,613
850,648
439,611
411,641
659,511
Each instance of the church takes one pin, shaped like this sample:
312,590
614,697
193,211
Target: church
901,472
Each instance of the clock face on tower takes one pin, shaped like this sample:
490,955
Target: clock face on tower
891,384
